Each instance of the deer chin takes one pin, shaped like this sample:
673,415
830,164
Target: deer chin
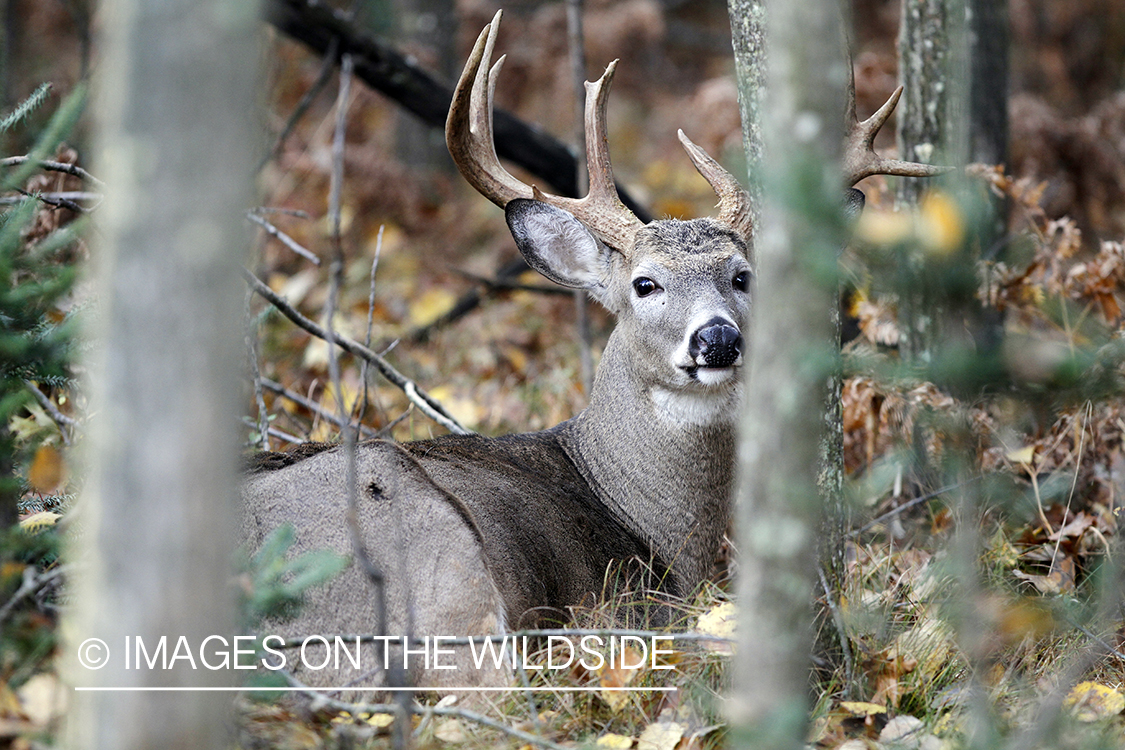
717,404
710,377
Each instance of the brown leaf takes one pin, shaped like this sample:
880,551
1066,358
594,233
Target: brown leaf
47,471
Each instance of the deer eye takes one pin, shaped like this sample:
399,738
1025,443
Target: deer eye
741,282
644,286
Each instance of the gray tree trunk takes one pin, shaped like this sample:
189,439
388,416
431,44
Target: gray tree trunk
156,521
790,364
953,63
748,36
748,33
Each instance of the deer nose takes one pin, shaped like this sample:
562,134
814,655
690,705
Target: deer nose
718,344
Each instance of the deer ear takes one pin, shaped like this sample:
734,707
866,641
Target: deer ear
853,204
557,245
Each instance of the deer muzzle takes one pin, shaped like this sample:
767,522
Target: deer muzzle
716,344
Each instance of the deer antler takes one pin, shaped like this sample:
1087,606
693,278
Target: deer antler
860,159
734,201
468,133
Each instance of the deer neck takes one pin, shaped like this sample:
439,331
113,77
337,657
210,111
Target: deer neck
662,463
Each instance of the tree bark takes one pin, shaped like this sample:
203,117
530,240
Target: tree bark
157,517
790,363
748,36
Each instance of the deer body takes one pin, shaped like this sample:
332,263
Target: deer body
475,535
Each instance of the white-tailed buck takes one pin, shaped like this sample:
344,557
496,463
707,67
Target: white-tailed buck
477,535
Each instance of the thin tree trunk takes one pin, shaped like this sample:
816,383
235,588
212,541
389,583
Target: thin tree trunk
790,364
748,36
157,517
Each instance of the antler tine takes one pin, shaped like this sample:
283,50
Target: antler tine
602,209
734,202
468,128
860,159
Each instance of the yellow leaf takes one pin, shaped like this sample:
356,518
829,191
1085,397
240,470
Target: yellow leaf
718,621
9,704
860,708
39,521
381,721
617,674
884,227
1023,455
615,741
661,736
941,226
466,411
1090,701
433,303
47,469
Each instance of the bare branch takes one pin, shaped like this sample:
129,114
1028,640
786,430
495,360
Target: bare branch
355,709
54,166
326,67
429,406
285,239
279,389
66,424
386,70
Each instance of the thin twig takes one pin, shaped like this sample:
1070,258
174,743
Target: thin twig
32,582
279,389
274,432
60,196
56,202
908,505
256,372
286,240
375,575
297,641
327,65
1074,482
576,42
62,420
370,319
356,709
54,166
502,284
429,406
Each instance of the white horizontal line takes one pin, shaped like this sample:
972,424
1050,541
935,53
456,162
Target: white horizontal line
373,689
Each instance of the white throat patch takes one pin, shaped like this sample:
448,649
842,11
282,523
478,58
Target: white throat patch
688,408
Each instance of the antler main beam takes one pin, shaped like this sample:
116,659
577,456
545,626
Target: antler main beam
469,135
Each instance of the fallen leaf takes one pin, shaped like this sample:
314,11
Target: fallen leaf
1091,701
450,730
47,470
613,675
1024,455
38,521
718,621
615,741
661,736
861,708
43,699
431,305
